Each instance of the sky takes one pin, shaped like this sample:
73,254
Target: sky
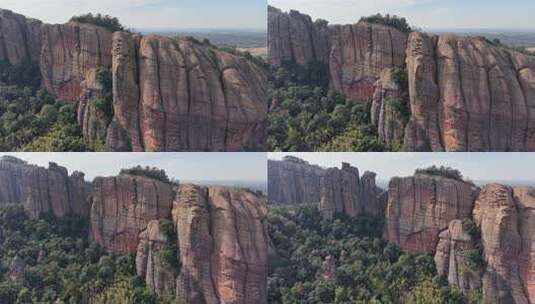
498,167
152,14
250,167
425,14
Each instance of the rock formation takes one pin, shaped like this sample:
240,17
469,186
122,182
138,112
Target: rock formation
342,191
168,94
186,97
293,181
20,38
385,114
451,257
421,206
223,245
466,93
42,190
16,271
469,95
151,259
359,54
294,37
122,206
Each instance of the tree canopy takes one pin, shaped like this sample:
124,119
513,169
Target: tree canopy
106,21
147,171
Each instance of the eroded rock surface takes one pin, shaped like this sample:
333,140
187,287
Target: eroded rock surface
360,52
42,190
151,259
343,191
387,101
122,207
451,257
294,37
505,218
20,38
185,97
293,181
469,95
223,245
421,206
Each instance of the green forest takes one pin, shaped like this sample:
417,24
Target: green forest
62,265
345,260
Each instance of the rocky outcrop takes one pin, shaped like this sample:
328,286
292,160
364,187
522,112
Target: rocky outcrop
223,245
388,100
69,52
342,191
293,181
185,97
469,95
451,260
42,190
168,94
359,54
16,271
294,37
153,251
122,206
421,206
505,218
20,38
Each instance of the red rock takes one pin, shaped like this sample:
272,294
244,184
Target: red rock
42,190
20,38
293,181
421,206
122,206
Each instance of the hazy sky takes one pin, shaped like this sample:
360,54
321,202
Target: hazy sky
476,166
426,14
236,14
182,166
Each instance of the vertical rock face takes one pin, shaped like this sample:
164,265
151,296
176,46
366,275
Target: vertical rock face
384,115
178,95
20,38
223,245
505,217
342,191
69,52
451,260
295,37
42,190
151,264
469,95
421,206
122,207
360,52
293,181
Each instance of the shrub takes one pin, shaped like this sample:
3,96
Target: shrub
441,171
475,260
394,21
151,172
106,21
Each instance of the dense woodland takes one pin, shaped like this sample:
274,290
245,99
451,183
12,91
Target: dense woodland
363,268
305,116
61,264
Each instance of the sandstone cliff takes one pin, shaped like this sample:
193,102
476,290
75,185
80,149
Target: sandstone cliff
152,262
223,245
122,206
168,94
359,54
343,191
421,206
469,95
451,257
293,181
42,190
296,38
179,95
